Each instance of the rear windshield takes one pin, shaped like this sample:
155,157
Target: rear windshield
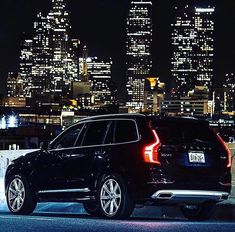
173,133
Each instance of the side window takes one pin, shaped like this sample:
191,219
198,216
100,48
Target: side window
81,135
109,139
125,131
95,133
68,138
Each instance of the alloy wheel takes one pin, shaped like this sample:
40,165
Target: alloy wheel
110,197
16,194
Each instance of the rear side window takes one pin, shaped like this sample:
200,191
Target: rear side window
125,131
174,133
95,133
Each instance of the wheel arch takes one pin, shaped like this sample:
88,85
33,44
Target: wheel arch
122,172
16,169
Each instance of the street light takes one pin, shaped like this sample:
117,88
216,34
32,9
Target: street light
12,121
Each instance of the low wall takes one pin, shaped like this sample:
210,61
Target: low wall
6,156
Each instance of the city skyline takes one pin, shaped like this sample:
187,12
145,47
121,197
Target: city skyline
103,47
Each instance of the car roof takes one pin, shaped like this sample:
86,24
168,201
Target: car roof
142,116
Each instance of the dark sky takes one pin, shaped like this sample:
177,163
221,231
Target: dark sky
100,24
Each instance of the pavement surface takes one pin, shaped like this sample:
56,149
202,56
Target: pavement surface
40,222
51,217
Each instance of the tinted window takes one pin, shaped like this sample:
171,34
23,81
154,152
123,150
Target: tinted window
95,133
110,134
68,138
81,135
125,131
173,133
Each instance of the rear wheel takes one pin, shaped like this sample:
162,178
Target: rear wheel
114,198
199,212
19,196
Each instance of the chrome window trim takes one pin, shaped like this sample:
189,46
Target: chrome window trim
99,145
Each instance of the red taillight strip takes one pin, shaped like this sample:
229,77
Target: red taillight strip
150,149
228,151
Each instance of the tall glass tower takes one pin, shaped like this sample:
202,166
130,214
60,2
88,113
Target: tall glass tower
49,61
229,93
193,48
26,62
138,52
42,57
60,24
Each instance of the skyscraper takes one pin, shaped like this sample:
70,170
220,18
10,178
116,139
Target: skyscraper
229,93
138,51
99,72
53,55
193,48
65,68
40,78
14,85
26,62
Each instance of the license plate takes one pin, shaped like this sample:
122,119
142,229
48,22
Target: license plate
196,157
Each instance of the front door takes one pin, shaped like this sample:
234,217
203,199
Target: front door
57,159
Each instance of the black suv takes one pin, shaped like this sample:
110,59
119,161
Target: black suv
110,163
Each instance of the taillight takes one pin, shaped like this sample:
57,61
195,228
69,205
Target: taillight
150,152
229,164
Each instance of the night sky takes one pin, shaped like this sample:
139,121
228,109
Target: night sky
100,24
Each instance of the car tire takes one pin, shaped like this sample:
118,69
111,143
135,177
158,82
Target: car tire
92,208
198,212
20,198
114,198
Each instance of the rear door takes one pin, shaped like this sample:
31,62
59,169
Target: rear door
88,149
126,148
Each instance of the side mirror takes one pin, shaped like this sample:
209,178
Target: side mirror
44,145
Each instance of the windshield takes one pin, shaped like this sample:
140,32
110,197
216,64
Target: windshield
173,133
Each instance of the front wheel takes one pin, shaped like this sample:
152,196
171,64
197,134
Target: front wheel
114,198
199,212
19,196
92,208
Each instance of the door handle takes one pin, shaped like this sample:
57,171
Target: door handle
64,156
73,155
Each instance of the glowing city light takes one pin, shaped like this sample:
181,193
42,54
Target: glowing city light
3,123
12,121
201,10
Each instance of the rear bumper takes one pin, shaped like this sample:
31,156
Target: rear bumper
189,196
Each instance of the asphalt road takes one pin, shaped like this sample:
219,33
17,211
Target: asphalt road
69,223
71,218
